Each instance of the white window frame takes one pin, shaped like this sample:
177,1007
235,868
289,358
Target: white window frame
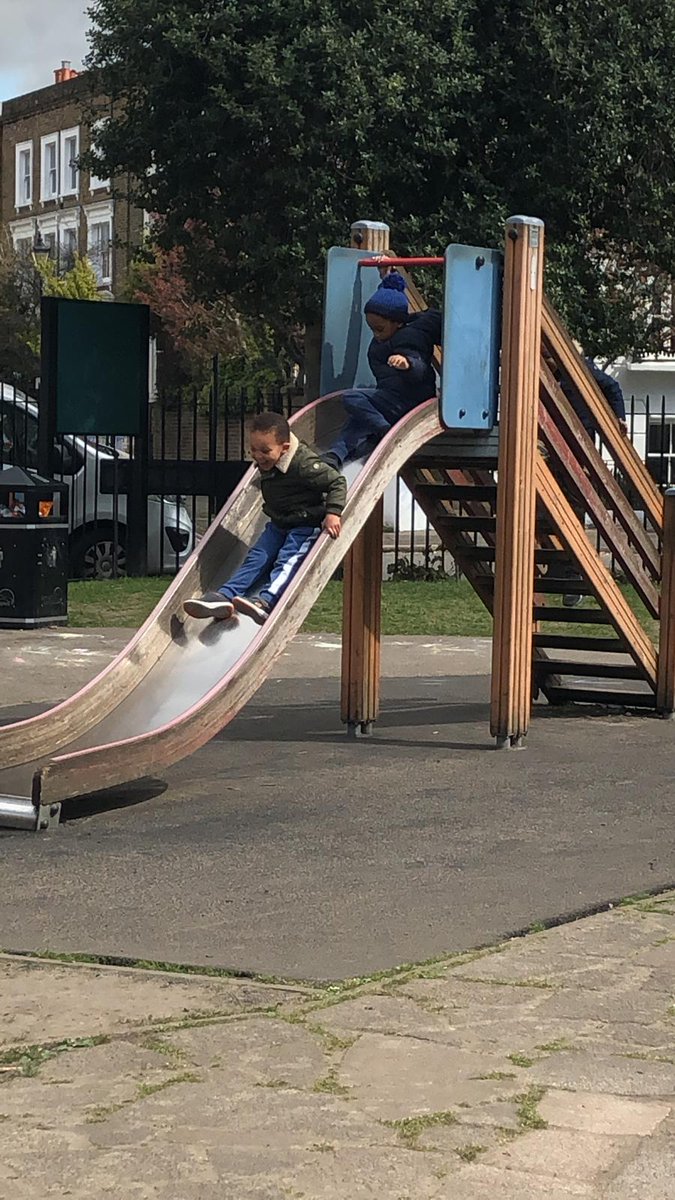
51,139
99,214
67,188
20,149
68,221
96,184
22,230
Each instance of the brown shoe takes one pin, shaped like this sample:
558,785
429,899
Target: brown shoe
253,607
212,604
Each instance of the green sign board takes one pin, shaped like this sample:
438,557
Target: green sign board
95,366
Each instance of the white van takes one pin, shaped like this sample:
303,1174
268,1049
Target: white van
98,537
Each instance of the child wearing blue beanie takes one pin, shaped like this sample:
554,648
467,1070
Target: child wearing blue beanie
400,357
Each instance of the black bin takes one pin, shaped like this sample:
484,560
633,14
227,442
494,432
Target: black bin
33,550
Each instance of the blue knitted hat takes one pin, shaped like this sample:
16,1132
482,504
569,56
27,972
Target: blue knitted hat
390,299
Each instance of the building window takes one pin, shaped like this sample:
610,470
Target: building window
49,188
70,149
24,247
661,450
24,174
100,250
96,181
68,250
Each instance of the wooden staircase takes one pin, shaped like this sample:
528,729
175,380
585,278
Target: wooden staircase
613,660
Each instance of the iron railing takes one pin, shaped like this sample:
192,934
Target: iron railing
197,451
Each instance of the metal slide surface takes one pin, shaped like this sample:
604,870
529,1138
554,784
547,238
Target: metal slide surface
180,680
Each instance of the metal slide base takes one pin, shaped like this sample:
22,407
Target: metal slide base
19,812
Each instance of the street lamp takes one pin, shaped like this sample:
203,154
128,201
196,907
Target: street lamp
40,247
40,254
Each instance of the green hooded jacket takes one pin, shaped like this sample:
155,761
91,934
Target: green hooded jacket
301,488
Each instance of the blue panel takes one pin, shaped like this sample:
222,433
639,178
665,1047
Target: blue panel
472,318
346,337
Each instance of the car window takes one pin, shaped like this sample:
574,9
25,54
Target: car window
18,436
67,458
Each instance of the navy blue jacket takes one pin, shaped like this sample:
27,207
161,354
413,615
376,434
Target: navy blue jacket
608,386
404,390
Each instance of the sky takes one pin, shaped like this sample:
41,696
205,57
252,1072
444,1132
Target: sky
35,35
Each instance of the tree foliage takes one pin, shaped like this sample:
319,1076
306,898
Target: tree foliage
78,283
191,328
23,280
260,129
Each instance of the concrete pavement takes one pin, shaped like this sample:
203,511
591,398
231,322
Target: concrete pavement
282,847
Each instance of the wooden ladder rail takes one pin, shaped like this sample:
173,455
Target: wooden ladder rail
563,456
556,404
559,344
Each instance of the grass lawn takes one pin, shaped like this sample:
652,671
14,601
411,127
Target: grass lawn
442,607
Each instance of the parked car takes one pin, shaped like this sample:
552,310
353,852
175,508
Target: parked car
98,520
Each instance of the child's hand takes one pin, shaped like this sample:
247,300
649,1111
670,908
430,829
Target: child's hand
399,362
332,525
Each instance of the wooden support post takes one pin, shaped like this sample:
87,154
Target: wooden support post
665,669
362,588
511,699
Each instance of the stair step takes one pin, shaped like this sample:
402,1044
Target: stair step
567,641
459,491
486,461
487,554
473,524
593,670
572,616
559,587
570,695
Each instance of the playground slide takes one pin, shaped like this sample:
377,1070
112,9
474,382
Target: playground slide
180,680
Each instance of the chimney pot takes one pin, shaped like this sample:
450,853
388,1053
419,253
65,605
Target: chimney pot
64,72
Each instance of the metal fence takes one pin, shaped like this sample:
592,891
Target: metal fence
193,457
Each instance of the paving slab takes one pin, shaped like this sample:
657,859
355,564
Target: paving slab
595,1112
563,1154
650,1175
131,1083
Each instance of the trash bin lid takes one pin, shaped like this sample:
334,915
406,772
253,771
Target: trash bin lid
16,477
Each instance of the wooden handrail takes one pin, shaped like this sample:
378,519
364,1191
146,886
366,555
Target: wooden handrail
624,454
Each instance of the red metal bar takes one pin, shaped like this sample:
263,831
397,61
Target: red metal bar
382,260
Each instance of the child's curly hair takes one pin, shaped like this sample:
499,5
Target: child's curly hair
271,422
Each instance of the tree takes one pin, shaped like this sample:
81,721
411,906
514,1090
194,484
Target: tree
260,129
23,280
78,283
19,318
191,329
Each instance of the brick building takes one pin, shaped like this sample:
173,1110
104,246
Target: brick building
42,189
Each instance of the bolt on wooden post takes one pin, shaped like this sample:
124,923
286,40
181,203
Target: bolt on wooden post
511,699
665,670
362,587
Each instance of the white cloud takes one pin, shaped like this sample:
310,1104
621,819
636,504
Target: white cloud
36,35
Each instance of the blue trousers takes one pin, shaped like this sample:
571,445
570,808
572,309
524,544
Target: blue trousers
277,553
371,415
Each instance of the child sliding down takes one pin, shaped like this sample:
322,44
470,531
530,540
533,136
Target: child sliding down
302,495
400,357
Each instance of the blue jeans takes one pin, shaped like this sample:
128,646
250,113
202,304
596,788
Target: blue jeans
371,415
277,553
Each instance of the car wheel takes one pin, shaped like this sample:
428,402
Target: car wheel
97,554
